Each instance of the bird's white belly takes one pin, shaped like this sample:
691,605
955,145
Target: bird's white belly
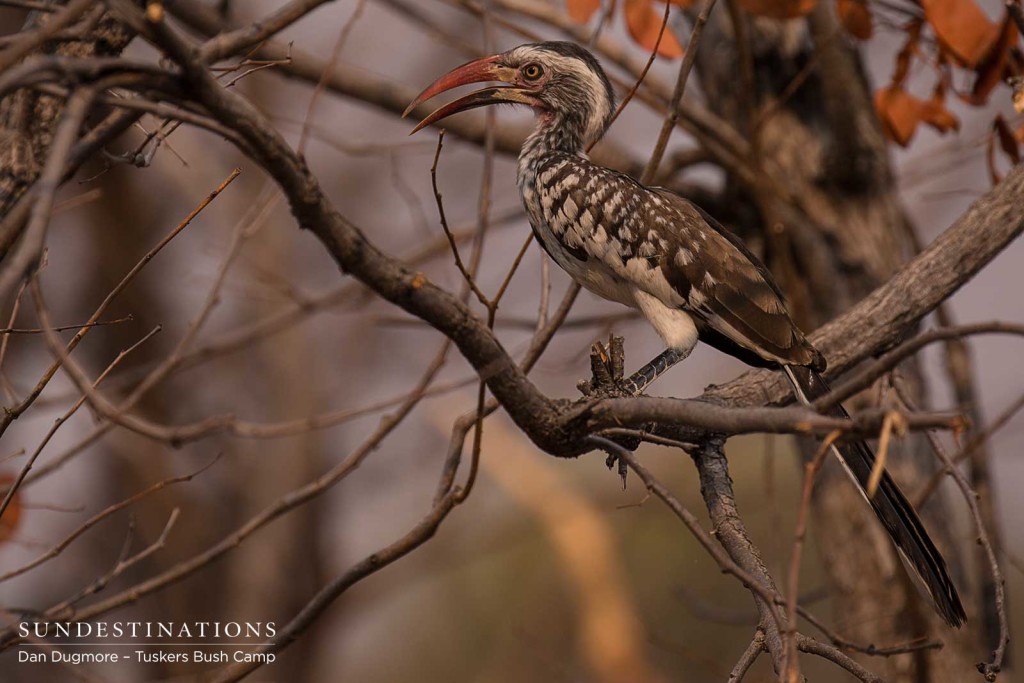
591,274
601,281
568,234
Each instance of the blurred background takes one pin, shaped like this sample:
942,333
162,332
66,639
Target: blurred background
550,571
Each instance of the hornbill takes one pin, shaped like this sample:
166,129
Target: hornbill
657,252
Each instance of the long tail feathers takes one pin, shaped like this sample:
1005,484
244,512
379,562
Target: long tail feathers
890,505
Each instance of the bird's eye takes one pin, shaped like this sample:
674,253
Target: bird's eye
532,72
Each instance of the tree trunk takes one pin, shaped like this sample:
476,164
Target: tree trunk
799,94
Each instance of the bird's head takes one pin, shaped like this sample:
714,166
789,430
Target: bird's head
563,83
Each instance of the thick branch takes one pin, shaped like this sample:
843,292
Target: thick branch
716,488
888,314
558,427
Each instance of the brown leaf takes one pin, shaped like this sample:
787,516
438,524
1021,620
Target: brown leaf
855,16
580,11
935,113
898,112
682,3
909,49
778,9
938,117
9,522
992,69
962,29
901,112
644,24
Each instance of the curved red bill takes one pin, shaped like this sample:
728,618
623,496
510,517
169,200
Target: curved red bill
480,98
478,71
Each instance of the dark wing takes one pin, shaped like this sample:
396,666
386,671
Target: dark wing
727,288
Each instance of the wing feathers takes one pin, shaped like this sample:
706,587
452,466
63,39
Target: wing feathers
635,238
730,290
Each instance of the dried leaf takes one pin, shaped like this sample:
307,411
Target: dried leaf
682,3
644,24
901,112
938,117
855,16
992,69
906,53
778,9
935,113
962,29
9,522
580,11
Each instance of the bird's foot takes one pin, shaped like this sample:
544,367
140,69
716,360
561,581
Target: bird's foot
607,366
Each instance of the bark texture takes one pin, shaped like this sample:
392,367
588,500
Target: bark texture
28,117
811,125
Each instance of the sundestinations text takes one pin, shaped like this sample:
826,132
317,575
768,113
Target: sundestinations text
146,629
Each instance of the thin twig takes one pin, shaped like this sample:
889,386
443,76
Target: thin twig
975,442
99,517
124,562
866,377
793,583
4,343
64,328
279,507
14,413
643,74
9,495
885,651
232,42
995,665
677,95
343,34
770,597
470,282
826,651
512,271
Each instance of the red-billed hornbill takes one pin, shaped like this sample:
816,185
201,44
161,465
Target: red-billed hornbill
654,251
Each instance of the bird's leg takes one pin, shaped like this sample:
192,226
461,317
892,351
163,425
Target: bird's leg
607,365
642,378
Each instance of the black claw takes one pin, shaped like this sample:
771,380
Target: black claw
620,464
607,367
